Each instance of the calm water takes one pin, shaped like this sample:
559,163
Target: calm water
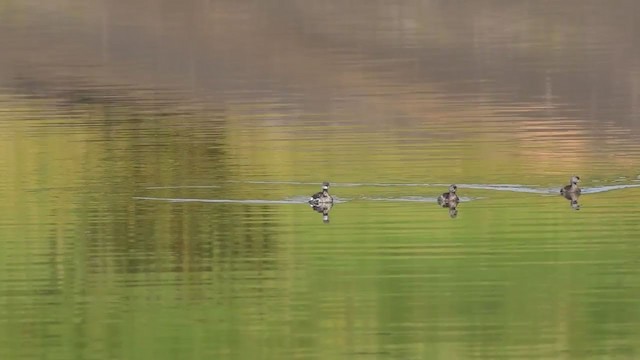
156,158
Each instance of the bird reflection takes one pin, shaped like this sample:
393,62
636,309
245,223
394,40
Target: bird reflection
324,209
573,199
452,206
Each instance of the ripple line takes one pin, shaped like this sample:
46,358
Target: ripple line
494,187
251,201
183,187
295,200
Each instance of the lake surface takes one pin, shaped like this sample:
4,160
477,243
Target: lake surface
156,159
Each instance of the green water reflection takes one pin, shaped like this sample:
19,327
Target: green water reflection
91,272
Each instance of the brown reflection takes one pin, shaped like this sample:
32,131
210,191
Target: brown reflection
324,210
358,48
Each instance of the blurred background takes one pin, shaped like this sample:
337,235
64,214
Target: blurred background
156,156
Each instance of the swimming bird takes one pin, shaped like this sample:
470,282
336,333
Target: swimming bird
572,188
322,197
449,196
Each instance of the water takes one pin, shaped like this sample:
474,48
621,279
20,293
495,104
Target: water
156,159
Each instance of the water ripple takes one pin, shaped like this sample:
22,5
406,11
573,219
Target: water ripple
495,187
415,199
294,200
249,201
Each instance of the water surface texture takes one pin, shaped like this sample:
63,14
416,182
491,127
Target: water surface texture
156,158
